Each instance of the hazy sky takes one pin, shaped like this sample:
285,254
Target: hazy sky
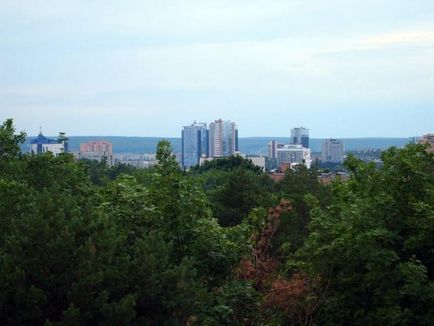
342,68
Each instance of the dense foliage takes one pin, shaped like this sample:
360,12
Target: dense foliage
223,244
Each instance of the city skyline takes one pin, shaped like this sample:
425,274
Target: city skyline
345,69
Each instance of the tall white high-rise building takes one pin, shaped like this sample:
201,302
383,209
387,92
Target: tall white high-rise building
300,136
223,138
332,151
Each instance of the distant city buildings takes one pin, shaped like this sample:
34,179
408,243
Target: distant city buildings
293,154
98,150
178,157
200,143
258,160
332,151
271,162
42,144
272,148
282,156
195,144
223,138
137,160
300,136
150,159
428,139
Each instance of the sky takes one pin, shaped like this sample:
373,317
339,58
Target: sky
342,68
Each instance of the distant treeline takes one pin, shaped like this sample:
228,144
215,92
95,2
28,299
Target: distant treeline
249,145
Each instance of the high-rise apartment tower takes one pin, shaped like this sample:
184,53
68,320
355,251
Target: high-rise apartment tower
97,150
194,144
300,136
223,138
332,151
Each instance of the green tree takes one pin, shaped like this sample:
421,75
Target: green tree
44,228
9,141
227,164
298,185
375,241
234,186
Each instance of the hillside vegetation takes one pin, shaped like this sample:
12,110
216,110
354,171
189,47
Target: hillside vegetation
83,244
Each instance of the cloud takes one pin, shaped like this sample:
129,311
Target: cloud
286,58
283,65
411,37
401,37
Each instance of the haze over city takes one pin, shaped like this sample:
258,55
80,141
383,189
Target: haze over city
146,68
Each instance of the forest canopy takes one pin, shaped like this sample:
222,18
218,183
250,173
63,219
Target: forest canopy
83,244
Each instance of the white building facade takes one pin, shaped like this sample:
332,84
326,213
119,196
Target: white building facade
223,138
42,144
257,160
332,151
293,154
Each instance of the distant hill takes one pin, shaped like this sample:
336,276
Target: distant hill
249,145
258,145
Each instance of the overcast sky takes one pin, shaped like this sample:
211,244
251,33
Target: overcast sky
342,68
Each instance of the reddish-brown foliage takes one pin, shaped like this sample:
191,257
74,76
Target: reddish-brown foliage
296,298
260,265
